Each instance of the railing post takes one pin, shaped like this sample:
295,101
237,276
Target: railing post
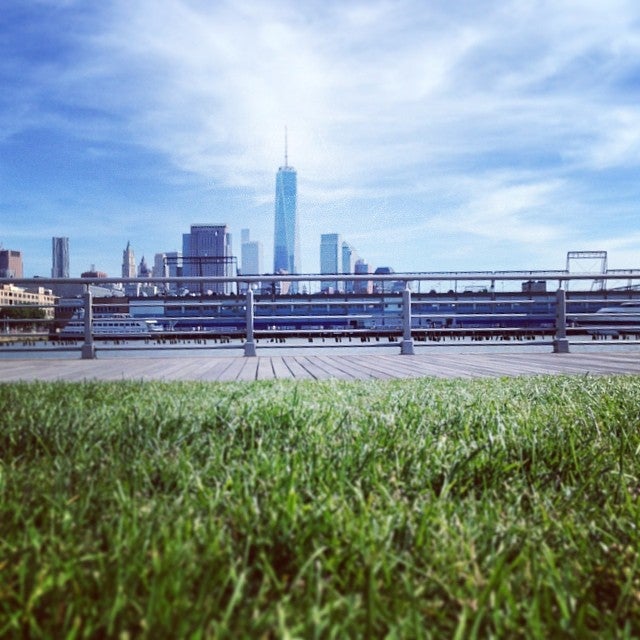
560,341
406,348
88,348
249,345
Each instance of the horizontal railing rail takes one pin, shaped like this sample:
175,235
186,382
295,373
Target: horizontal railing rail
556,308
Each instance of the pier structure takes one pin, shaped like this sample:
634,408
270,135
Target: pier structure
411,312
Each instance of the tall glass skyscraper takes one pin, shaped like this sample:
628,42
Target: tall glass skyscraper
60,257
330,258
286,246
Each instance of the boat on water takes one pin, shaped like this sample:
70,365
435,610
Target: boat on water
116,325
613,321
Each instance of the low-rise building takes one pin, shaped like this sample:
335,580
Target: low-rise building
11,295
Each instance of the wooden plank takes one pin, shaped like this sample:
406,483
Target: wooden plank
249,370
297,371
350,367
437,366
280,369
264,369
309,364
320,366
379,367
334,367
231,372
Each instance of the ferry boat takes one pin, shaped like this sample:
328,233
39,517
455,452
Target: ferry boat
623,318
116,325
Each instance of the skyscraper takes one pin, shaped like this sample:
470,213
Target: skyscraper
330,258
349,259
363,286
60,257
286,245
10,264
206,251
128,263
143,269
250,255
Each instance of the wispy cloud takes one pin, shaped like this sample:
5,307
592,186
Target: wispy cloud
467,118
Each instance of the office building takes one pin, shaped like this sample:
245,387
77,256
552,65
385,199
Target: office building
143,269
251,259
286,246
330,260
207,251
167,264
387,286
362,286
349,259
251,255
60,257
10,264
128,263
160,267
93,273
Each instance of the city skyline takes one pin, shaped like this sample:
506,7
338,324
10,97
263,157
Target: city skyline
433,136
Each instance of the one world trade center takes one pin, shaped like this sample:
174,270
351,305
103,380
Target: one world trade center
286,247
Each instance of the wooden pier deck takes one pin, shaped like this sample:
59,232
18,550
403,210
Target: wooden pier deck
320,367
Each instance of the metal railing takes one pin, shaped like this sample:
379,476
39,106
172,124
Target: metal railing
399,310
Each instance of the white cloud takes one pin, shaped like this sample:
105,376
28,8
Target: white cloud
487,117
618,141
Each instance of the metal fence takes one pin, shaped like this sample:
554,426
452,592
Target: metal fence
407,311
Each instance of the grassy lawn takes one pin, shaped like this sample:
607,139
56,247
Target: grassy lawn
406,509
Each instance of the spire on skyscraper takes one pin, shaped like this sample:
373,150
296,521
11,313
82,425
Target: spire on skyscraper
286,150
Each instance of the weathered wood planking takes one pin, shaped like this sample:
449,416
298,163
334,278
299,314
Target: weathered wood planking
320,366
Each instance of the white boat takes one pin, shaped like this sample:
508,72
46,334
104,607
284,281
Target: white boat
622,318
116,325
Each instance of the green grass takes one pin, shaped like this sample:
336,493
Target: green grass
404,509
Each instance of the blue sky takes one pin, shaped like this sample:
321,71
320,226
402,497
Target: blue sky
433,135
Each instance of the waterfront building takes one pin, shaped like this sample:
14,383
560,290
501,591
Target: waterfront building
11,264
207,251
10,296
330,259
60,257
286,245
128,262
